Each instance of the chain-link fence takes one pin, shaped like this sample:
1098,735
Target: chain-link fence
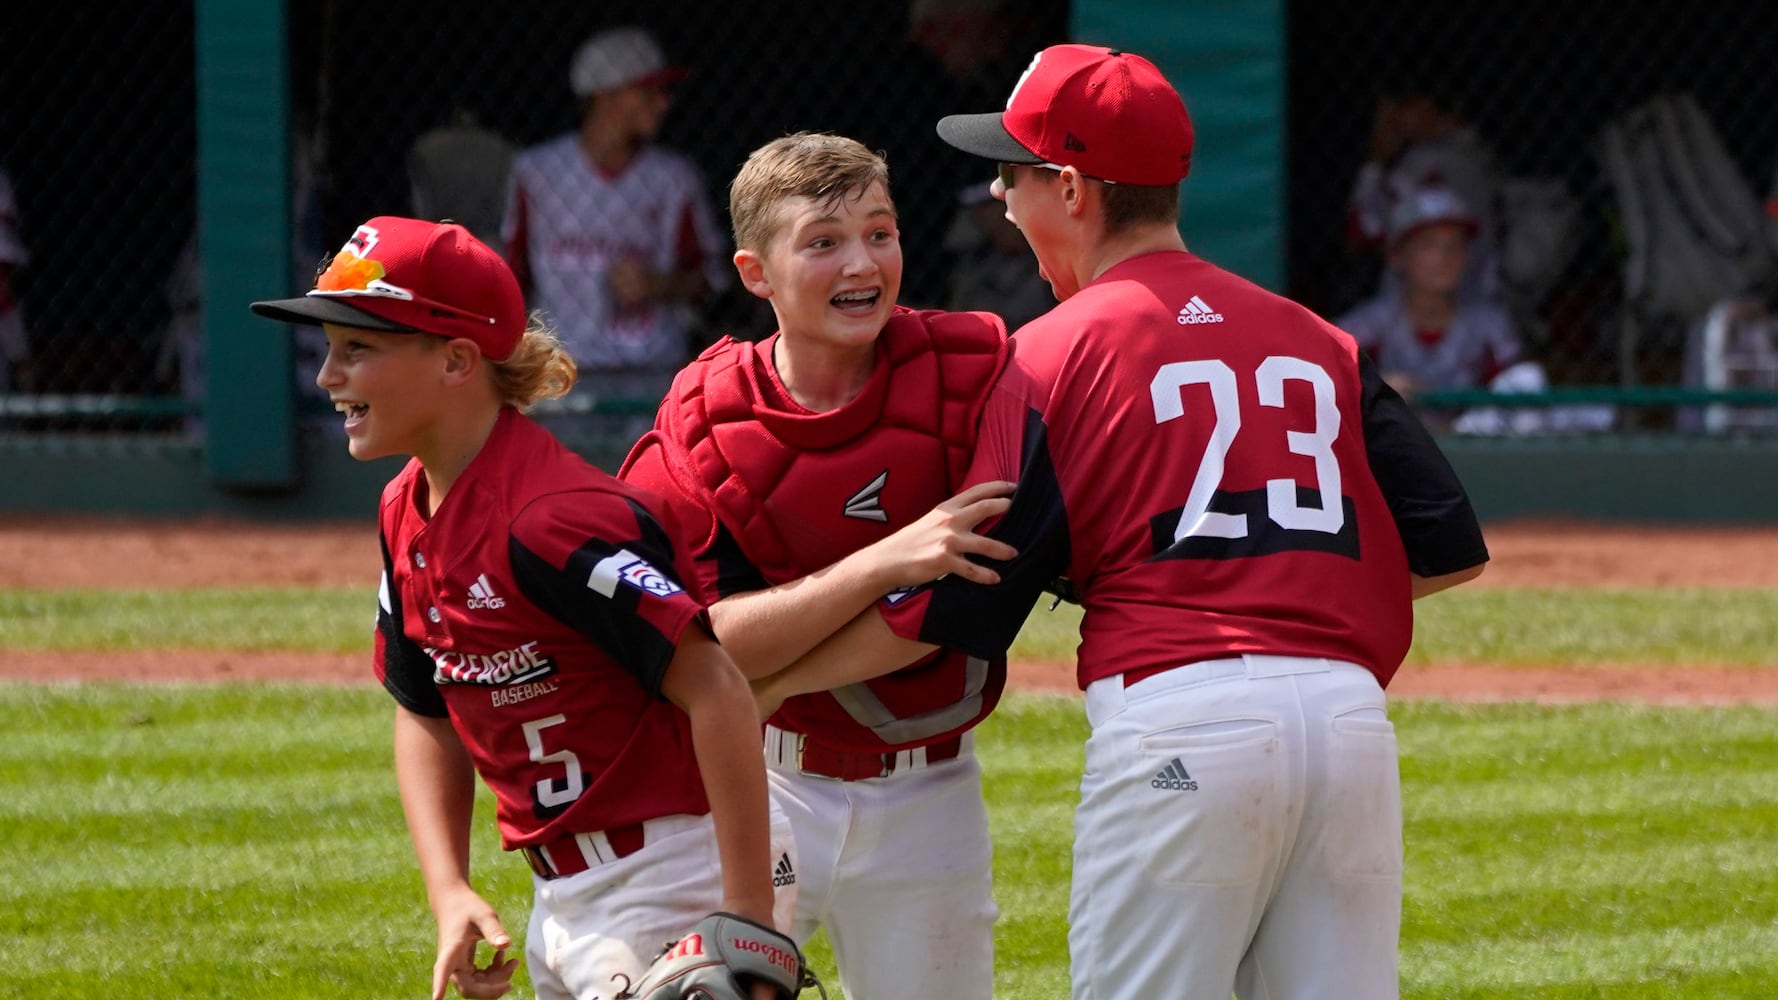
97,141
1617,158
1603,246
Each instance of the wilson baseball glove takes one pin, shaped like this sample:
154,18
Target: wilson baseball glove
721,959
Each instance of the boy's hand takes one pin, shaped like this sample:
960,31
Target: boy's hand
462,922
940,543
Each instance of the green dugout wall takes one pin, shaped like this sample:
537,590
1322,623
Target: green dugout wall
1228,58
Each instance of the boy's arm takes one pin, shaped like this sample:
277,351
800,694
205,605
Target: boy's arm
865,648
1425,586
725,738
766,630
437,783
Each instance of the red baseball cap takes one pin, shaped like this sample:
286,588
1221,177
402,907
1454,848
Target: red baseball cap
1110,114
412,276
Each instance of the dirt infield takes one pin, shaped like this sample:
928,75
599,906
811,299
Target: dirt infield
85,552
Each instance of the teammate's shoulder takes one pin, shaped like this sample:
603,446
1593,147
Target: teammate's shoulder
719,360
401,485
588,496
1374,311
951,332
556,147
1485,312
665,159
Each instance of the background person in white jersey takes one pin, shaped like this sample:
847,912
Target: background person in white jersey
613,237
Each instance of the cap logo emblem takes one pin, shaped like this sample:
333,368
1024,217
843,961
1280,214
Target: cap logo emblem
350,274
1072,143
1022,78
363,241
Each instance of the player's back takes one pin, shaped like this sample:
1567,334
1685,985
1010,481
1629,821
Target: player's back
1209,445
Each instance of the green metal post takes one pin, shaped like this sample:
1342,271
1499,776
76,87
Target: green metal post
244,240
1227,59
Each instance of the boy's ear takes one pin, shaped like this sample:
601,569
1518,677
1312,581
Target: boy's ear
752,269
461,359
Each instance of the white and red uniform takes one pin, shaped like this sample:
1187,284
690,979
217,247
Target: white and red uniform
1239,500
1458,160
1480,342
879,779
539,609
567,223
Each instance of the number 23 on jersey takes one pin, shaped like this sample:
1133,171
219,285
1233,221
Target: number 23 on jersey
1288,515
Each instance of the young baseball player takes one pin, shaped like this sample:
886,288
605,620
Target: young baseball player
611,233
1423,332
1248,512
821,462
536,624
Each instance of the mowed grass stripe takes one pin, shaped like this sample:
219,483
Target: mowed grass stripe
233,840
1717,961
293,878
303,619
1543,627
1501,626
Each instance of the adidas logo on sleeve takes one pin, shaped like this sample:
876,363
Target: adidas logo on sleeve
1174,778
1197,311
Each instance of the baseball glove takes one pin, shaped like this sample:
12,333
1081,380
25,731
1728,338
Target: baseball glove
721,959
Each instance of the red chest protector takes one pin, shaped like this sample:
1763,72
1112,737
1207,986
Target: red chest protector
800,490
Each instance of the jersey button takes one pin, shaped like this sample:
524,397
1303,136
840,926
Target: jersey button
433,614
420,561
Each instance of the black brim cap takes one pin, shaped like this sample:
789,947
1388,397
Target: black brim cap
313,310
984,135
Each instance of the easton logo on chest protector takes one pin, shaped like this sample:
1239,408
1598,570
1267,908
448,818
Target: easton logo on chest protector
867,503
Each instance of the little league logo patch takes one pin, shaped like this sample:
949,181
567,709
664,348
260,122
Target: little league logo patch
898,595
631,570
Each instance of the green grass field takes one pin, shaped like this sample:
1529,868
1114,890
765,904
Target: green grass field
246,841
1647,627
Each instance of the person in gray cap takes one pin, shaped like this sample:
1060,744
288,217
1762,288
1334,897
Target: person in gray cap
613,236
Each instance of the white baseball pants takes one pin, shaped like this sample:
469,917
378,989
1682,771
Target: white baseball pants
899,871
591,931
1239,830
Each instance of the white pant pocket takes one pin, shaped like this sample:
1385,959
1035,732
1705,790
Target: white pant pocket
1212,802
1362,828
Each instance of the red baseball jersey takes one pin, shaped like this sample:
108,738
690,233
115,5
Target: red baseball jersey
539,609
1202,459
785,491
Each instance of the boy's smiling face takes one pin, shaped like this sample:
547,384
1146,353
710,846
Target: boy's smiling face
833,270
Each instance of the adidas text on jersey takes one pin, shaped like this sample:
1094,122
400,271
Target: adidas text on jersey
1196,311
481,594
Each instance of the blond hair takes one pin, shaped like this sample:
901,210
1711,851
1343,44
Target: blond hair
819,165
539,368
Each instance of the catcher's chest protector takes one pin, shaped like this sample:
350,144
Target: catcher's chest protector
800,490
